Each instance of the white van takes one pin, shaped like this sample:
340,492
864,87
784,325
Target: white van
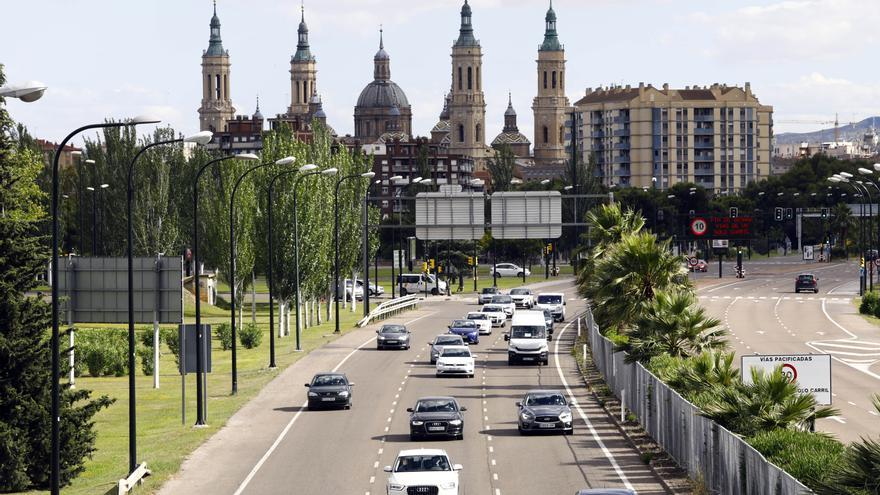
527,339
414,283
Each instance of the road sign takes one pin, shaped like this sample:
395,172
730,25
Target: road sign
731,227
808,252
811,372
699,226
693,261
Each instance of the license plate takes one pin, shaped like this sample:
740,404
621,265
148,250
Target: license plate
328,399
528,359
390,341
546,425
436,428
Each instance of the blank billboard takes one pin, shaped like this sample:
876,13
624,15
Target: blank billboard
450,215
526,215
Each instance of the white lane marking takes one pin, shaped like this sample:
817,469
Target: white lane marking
289,425
498,491
372,479
850,402
725,285
495,476
375,464
814,344
493,462
593,432
839,419
380,451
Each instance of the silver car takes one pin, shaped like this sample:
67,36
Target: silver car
442,341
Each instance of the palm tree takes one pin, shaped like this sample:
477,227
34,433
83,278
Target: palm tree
628,274
608,225
673,324
841,221
770,402
859,471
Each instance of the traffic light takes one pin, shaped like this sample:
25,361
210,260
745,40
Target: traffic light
424,266
824,212
549,248
470,261
659,215
431,263
734,212
788,214
777,214
692,214
440,269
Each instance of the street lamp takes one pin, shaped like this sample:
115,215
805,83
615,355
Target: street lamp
394,235
328,172
366,251
366,175
55,459
249,157
27,92
269,275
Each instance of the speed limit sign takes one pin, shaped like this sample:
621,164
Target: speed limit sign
693,261
699,226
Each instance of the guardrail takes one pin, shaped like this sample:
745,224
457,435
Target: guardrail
390,307
726,463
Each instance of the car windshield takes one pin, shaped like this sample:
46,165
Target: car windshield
410,463
520,292
436,405
502,299
490,290
393,329
545,400
525,332
463,324
453,352
477,316
549,299
492,309
450,340
328,381
805,278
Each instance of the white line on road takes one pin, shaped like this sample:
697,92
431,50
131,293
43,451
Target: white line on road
839,419
593,432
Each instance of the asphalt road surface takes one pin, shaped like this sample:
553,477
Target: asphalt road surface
274,445
765,316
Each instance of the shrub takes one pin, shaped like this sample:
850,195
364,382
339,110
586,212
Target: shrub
145,350
103,350
172,339
809,457
223,333
251,336
870,304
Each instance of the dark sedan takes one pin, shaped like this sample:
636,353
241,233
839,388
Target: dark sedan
544,410
392,337
806,281
605,491
436,416
468,329
329,390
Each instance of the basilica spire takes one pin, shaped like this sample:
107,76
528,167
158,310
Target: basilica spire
466,32
215,44
302,44
381,61
551,39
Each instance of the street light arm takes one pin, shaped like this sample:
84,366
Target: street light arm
141,152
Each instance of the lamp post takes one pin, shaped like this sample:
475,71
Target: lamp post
94,219
366,248
394,240
842,178
367,175
27,92
269,275
101,222
55,458
328,172
199,138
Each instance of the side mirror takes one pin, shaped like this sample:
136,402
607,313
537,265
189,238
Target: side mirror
519,404
378,331
549,338
506,337
409,409
351,384
387,469
462,409
550,331
563,302
457,467
307,385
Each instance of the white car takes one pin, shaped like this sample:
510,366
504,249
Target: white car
484,320
423,471
510,270
455,360
522,297
506,302
554,302
497,313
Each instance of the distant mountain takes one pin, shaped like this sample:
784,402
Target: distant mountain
848,132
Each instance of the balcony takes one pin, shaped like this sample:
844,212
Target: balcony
622,119
621,145
704,145
621,159
703,131
704,118
597,134
622,172
621,132
704,157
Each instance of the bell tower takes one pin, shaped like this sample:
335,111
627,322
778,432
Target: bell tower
303,72
551,104
467,106
216,107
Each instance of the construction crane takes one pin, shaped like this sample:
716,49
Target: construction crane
836,123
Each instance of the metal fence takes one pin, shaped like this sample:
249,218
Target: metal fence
390,308
727,464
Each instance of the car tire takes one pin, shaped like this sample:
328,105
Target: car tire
460,436
520,274
436,375
546,362
413,437
510,361
347,407
434,291
521,430
568,432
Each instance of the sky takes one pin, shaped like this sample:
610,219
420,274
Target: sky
809,59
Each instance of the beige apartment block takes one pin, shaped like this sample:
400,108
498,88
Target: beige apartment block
718,136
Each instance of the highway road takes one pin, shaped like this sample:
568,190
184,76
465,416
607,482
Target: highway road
765,316
274,445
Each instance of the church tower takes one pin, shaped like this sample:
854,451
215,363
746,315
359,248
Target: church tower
551,104
216,106
303,72
467,107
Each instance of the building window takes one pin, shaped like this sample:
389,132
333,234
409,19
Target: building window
470,79
545,79
554,79
207,92
546,133
460,133
217,86
561,135
459,78
478,78
225,87
478,133
562,79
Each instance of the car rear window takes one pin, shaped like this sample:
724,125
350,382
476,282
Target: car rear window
449,340
805,278
501,299
549,299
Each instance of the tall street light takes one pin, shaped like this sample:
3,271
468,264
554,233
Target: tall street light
201,138
396,233
366,175
366,248
327,173
27,92
55,458
269,274
250,157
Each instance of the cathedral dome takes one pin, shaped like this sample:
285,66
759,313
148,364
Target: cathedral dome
382,94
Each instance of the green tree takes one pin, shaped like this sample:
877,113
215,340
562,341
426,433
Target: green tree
25,380
842,221
859,471
501,168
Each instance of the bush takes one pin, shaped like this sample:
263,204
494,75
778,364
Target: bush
223,333
172,338
145,350
251,336
870,304
103,350
809,457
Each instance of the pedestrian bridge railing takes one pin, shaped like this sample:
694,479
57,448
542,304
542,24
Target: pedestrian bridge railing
390,308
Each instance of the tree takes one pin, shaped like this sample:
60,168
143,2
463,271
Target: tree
25,380
841,222
859,471
501,168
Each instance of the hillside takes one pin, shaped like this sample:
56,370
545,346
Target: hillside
847,132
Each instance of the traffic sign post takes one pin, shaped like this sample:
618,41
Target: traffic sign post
699,226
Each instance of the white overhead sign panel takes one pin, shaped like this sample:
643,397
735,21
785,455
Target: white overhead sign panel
526,215
811,372
450,216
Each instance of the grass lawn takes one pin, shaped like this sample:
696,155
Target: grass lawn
163,441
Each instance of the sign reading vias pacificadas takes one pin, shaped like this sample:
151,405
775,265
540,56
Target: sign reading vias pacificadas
810,372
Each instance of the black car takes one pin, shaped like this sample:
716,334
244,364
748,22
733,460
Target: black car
329,390
806,281
393,337
436,417
544,410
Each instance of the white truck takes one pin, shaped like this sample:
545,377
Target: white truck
527,339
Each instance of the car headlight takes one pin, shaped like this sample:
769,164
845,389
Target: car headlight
380,337
313,394
396,487
455,422
344,393
446,485
417,423
527,416
566,417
